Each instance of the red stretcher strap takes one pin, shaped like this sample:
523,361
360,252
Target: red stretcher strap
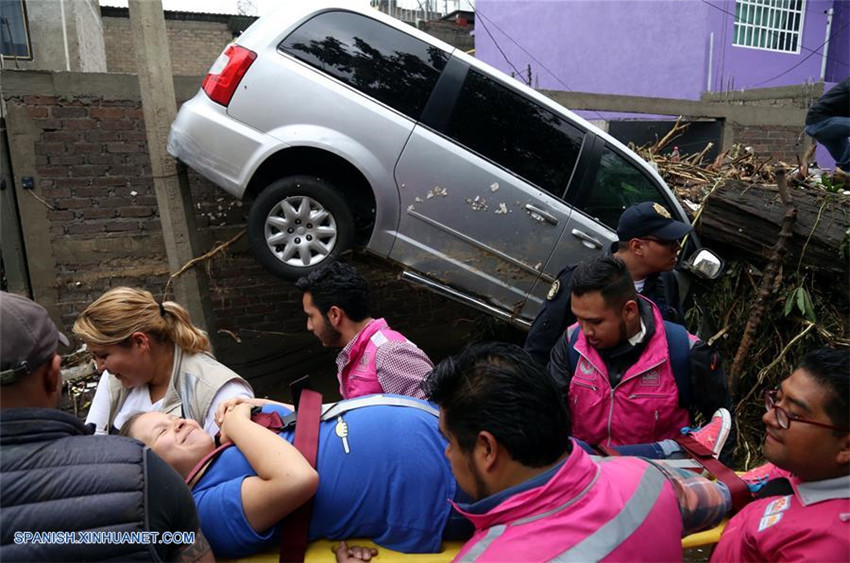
293,537
207,459
741,495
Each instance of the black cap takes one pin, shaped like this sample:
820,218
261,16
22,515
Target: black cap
28,338
650,219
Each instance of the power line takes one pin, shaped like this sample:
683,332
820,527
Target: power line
493,39
771,32
807,57
482,17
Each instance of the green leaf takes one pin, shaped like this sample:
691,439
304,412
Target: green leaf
807,307
789,303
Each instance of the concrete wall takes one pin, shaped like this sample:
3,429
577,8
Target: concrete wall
89,36
82,36
657,48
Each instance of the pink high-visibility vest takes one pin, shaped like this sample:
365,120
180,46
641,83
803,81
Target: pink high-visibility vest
360,375
813,524
642,408
620,509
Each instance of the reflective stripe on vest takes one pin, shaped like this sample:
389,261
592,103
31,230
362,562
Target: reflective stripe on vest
609,537
492,535
604,540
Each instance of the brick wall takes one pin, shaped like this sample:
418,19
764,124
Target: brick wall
194,45
780,143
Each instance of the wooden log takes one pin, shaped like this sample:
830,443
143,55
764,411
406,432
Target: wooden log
747,218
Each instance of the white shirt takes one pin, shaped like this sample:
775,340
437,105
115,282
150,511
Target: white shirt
139,400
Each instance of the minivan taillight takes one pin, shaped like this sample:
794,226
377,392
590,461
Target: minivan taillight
226,73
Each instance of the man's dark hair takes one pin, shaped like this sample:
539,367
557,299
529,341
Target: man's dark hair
500,389
831,368
607,275
338,284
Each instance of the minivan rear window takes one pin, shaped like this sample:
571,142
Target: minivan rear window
515,132
380,61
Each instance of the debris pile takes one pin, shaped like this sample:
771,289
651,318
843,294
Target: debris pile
80,377
778,301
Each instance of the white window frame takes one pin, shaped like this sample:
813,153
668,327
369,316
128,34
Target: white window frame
765,25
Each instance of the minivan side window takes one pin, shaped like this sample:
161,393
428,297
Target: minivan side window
619,184
515,132
382,62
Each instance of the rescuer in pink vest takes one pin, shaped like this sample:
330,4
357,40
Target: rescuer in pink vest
537,495
806,515
628,376
374,358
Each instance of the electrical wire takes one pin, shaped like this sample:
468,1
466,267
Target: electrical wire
482,17
807,57
771,32
496,43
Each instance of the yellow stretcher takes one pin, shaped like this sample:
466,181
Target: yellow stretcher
321,551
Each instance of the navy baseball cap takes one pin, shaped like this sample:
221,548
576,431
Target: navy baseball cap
650,219
28,338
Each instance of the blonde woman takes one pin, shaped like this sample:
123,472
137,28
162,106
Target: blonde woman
152,359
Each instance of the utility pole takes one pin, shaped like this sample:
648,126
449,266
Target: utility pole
171,183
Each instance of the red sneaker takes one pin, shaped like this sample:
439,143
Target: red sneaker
713,435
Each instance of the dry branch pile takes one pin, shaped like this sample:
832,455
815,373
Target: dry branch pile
737,211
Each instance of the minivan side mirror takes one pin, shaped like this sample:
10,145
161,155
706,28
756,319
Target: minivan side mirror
705,264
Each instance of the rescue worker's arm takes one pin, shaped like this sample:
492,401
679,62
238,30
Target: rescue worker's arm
284,479
702,503
553,319
711,391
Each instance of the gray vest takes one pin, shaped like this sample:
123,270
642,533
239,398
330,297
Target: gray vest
195,380
55,478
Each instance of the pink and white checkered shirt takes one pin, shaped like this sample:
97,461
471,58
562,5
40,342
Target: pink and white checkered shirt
400,366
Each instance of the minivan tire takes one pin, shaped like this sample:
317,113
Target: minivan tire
297,224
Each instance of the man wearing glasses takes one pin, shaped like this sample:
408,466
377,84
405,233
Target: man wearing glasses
805,510
649,245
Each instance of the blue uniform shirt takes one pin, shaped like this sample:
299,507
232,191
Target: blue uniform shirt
392,484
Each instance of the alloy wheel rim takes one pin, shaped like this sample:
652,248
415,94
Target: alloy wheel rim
300,231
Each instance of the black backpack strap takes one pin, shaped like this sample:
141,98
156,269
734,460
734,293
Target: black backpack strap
679,349
572,353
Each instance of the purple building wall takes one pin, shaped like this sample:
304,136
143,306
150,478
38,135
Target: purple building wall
657,48
838,62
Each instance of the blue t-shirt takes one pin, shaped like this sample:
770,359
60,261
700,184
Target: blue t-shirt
391,485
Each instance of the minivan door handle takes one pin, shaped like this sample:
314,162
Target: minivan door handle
586,239
541,215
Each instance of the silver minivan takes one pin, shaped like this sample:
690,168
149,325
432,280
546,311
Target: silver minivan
349,128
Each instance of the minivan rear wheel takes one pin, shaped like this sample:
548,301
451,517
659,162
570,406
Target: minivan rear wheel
297,224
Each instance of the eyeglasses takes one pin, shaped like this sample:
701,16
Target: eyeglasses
784,418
